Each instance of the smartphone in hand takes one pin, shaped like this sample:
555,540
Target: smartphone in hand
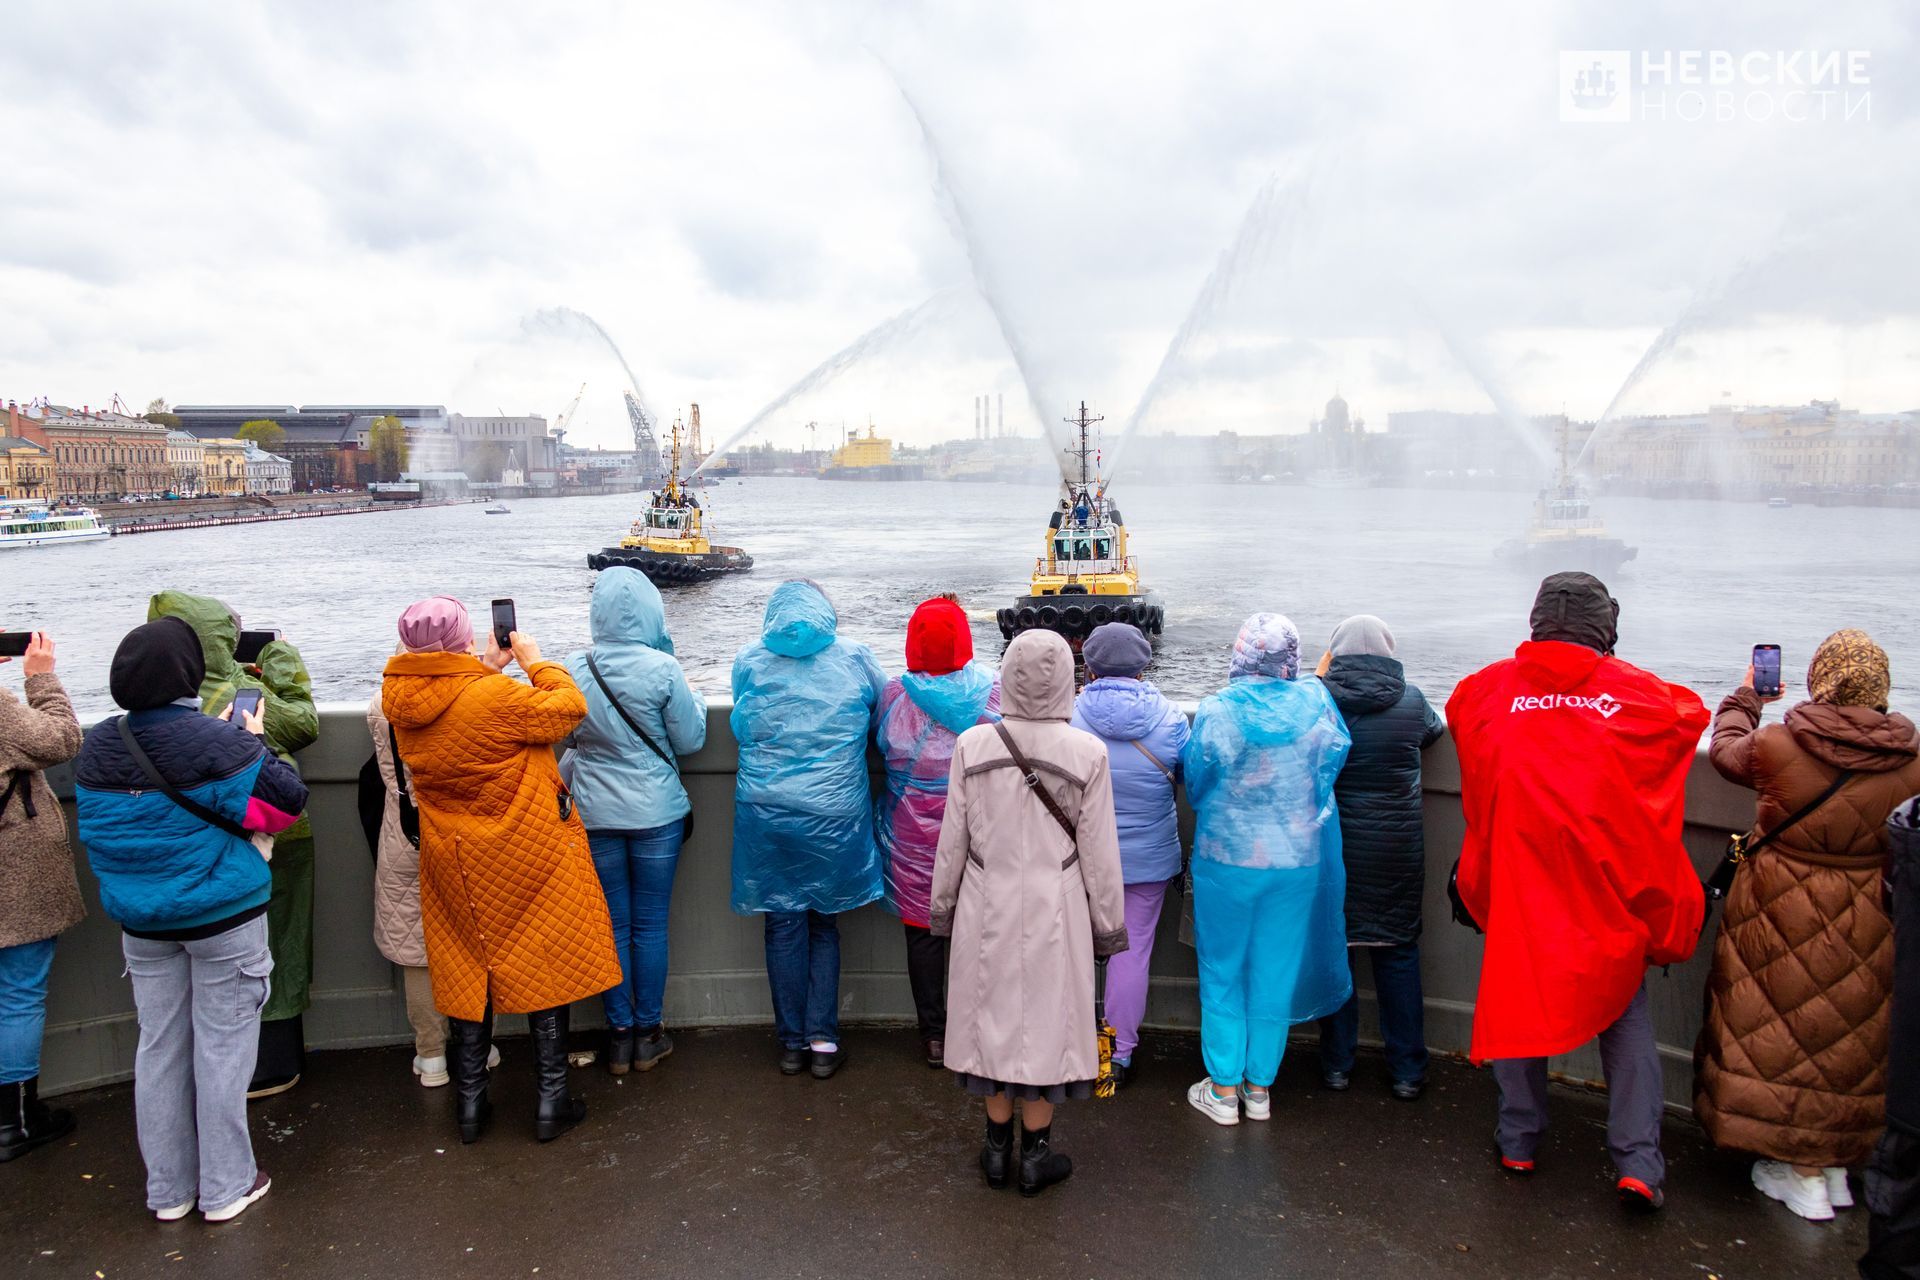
246,702
1766,670
247,651
13,644
504,624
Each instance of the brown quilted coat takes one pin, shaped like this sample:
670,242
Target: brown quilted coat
512,907
39,897
1792,1060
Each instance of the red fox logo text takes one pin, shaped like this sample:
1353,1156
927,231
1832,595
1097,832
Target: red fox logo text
1605,703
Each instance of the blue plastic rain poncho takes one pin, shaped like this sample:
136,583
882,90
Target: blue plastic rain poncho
618,782
1268,884
921,717
804,702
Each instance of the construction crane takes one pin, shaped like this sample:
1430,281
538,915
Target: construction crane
565,419
646,451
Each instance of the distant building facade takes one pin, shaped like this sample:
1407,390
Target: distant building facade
96,454
503,442
326,444
223,468
26,470
1818,445
186,461
266,473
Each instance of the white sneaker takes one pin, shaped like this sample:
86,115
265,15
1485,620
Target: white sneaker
1839,1195
1258,1106
228,1212
432,1071
1211,1105
1806,1196
175,1213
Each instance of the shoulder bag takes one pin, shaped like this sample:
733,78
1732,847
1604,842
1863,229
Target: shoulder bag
1739,849
403,790
686,824
1032,779
192,806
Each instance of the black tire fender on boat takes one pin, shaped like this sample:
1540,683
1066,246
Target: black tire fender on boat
1154,618
1027,616
1074,616
1005,618
1100,615
1049,616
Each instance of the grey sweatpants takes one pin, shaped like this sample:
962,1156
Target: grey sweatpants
199,1005
1630,1061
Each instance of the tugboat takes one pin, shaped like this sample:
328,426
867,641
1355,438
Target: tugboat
1084,576
1564,534
668,542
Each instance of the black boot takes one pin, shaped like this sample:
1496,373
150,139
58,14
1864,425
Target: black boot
620,1050
1040,1165
26,1122
996,1157
650,1044
468,1044
559,1110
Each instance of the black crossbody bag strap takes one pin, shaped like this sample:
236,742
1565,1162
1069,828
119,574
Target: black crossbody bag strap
642,734
1032,779
403,791
1739,850
174,794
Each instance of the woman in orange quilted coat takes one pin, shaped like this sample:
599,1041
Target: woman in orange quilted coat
515,918
1792,1060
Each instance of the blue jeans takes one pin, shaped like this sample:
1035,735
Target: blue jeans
803,969
636,872
23,1008
1396,987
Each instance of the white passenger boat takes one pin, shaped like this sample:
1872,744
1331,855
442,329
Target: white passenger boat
34,524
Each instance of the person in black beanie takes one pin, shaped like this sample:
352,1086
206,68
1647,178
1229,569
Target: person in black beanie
177,810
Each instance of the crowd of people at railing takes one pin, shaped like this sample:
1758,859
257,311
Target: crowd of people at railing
527,832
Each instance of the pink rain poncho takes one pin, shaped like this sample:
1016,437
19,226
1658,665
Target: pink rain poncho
921,717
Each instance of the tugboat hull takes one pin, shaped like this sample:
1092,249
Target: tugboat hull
1074,616
1598,556
668,570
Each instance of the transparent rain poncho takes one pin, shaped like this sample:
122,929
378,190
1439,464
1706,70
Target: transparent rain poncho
921,718
1269,885
803,704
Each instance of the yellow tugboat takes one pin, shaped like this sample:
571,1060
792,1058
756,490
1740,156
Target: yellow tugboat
668,542
1564,533
1085,576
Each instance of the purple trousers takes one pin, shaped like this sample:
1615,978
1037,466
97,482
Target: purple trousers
1127,972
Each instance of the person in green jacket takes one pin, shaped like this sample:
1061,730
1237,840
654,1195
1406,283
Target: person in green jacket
291,724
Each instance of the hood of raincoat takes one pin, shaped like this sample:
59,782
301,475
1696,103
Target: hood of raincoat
419,687
800,620
956,700
1120,709
1036,678
1556,666
212,621
1851,737
1576,608
1363,683
627,609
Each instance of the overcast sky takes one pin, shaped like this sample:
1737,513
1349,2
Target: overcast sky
226,202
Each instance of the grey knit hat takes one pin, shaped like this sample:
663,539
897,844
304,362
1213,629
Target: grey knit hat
1116,649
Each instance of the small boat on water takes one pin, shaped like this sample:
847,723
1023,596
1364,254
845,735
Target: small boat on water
1778,504
35,524
668,542
1564,535
499,509
1085,576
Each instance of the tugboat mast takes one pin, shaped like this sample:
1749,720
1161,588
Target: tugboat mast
1085,451
673,467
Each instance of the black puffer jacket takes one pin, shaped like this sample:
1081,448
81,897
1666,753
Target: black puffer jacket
1381,829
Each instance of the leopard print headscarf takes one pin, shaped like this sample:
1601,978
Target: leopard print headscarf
1849,670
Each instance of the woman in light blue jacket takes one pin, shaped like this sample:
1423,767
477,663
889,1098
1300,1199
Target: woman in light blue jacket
640,711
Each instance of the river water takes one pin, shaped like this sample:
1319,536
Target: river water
1711,580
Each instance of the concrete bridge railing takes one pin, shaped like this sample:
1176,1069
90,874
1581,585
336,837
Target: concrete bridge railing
718,974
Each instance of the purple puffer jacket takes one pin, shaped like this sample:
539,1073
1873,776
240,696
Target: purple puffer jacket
921,717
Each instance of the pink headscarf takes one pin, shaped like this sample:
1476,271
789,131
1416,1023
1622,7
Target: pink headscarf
437,625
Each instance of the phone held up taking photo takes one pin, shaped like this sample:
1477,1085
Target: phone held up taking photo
13,644
1766,670
247,651
504,624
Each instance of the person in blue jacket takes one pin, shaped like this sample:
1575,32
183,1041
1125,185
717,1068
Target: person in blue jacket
804,703
631,798
1268,884
1145,735
190,893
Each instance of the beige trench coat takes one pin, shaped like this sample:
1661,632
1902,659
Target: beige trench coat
397,930
1026,910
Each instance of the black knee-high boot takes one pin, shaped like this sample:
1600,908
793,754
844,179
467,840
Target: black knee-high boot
469,1043
559,1110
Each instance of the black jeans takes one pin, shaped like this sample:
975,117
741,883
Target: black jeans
927,974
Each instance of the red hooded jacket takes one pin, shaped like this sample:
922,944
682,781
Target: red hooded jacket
1573,772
